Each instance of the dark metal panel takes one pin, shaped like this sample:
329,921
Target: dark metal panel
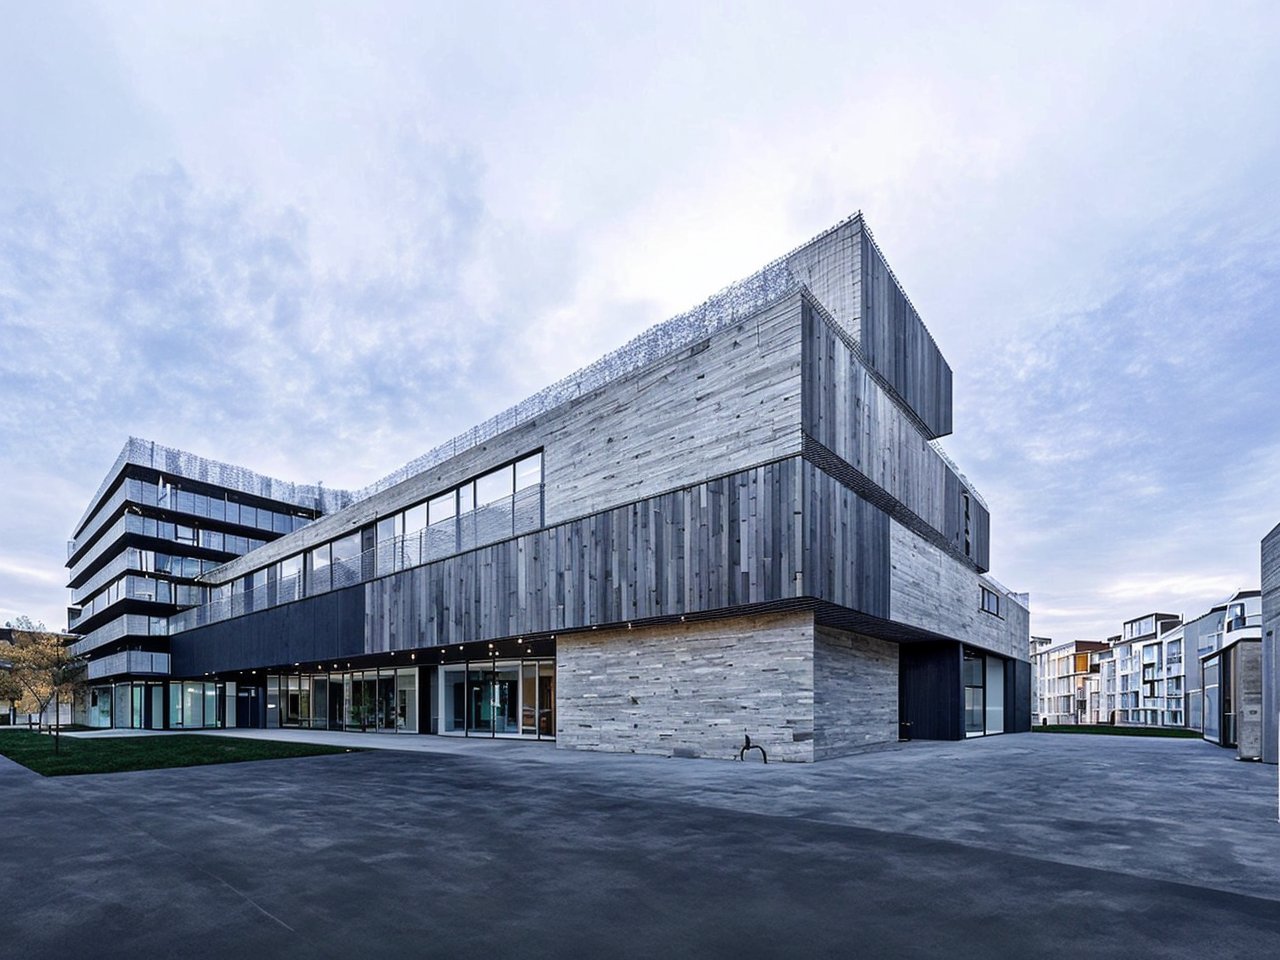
929,692
1017,696
314,629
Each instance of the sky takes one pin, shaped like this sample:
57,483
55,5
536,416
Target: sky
318,239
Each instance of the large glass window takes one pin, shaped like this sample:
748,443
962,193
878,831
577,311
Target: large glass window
994,695
529,471
406,712
495,486
318,574
289,585
973,677
346,560
387,534
1212,703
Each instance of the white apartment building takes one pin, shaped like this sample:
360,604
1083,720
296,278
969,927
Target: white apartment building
1150,671
1064,680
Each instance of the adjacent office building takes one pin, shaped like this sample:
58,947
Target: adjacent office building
740,522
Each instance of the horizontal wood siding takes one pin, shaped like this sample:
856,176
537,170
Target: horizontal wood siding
703,411
727,542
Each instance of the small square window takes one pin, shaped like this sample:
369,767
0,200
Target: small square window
990,602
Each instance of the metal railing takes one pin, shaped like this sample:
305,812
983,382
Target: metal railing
128,661
491,523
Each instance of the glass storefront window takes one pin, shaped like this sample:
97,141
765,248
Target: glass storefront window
406,713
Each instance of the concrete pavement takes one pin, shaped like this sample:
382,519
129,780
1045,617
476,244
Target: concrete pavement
1039,844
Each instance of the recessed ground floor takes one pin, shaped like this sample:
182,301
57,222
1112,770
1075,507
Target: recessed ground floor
799,688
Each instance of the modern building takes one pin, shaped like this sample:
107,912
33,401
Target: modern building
1148,659
160,519
1232,678
1269,612
739,523
1200,636
1066,681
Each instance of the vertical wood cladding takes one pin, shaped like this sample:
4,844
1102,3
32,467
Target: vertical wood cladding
848,552
896,343
848,412
727,542
1270,646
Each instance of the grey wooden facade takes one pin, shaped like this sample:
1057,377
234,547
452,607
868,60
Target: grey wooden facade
783,463
1271,646
845,271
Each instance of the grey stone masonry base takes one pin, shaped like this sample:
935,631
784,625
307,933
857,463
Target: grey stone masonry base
690,689
855,680
802,692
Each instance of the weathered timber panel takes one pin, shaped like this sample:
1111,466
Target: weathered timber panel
690,689
727,542
1270,645
932,590
727,403
831,268
896,343
847,537
855,692
846,410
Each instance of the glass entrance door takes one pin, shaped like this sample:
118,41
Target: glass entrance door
493,698
502,699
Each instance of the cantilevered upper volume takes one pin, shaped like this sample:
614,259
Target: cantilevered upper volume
738,520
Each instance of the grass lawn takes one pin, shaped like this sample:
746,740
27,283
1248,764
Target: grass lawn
117,754
1118,731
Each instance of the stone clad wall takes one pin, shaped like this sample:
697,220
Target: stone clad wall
690,689
855,687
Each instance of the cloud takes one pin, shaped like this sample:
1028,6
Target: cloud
1131,448
318,240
